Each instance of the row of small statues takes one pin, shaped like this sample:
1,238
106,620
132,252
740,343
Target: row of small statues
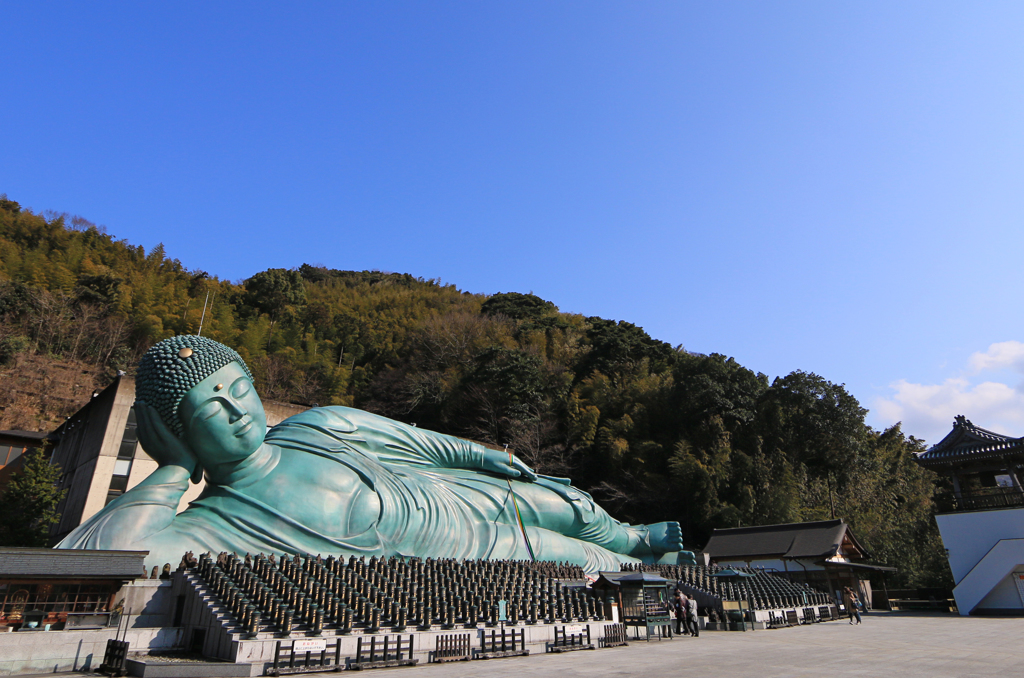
262,592
188,561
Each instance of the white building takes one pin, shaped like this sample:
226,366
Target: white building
984,532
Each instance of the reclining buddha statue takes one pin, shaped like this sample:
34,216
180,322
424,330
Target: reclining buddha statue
337,480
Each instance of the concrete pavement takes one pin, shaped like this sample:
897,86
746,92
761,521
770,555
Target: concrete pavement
903,645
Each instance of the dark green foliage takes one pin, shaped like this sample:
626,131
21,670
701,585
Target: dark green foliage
816,422
619,345
713,385
15,300
320,274
274,290
652,431
11,346
28,505
9,205
102,288
514,376
517,306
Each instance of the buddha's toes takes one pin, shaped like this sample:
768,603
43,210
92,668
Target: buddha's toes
666,537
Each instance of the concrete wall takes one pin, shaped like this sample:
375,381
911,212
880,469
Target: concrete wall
1003,596
124,398
1002,560
970,535
81,438
151,603
52,651
985,548
278,412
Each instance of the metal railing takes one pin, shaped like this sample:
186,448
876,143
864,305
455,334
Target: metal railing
990,498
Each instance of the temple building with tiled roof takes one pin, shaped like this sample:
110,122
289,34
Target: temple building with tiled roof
824,554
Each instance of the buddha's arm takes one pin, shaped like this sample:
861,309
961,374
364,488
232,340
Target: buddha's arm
393,442
139,513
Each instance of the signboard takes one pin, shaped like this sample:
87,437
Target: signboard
735,604
502,610
573,629
309,645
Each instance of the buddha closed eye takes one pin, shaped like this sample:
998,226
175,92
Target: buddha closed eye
223,417
222,405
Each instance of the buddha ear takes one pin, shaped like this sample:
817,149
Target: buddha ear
197,475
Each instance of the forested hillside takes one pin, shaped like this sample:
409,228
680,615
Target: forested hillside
653,431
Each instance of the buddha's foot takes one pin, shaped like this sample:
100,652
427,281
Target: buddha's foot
665,537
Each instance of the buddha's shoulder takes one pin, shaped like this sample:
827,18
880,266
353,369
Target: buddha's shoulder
338,419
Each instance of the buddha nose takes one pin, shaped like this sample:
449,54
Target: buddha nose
235,409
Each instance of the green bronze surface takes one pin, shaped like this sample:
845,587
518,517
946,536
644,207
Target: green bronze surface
336,480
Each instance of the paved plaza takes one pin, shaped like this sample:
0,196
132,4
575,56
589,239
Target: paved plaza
901,645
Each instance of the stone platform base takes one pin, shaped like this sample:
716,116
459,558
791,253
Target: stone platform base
156,669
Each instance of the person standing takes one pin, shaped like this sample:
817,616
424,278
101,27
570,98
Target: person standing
691,616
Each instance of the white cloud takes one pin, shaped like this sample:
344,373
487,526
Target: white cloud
999,356
927,410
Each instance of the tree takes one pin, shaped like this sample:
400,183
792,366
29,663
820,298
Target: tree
273,292
505,388
713,385
518,306
28,507
616,346
814,421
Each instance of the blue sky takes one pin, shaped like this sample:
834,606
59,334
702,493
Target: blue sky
833,187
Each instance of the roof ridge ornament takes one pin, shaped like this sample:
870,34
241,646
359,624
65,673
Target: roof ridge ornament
961,420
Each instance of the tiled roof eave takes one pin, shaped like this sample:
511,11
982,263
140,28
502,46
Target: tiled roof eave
1014,446
950,459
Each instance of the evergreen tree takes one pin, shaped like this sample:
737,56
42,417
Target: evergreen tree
28,506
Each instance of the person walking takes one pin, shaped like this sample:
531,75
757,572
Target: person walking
850,603
691,616
682,627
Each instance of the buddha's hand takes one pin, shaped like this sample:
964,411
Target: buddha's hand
160,443
505,464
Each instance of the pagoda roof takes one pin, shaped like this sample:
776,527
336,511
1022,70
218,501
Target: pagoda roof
968,443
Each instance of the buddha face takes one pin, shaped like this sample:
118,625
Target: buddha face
223,417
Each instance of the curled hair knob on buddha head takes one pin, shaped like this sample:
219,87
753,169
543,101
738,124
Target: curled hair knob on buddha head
173,367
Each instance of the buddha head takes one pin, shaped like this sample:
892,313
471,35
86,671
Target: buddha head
204,394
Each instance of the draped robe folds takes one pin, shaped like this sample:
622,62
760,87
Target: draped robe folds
434,502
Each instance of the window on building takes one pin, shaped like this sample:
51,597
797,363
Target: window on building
16,598
9,453
125,455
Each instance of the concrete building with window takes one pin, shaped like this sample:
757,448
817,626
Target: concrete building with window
98,451
983,528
